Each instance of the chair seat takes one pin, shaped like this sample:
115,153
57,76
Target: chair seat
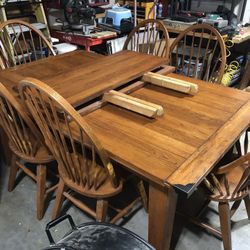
42,155
233,178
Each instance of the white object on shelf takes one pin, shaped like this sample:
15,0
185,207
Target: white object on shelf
64,48
13,1
54,40
116,45
17,29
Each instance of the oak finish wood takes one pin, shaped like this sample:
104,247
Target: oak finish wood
170,83
84,166
21,43
134,104
79,84
192,131
224,212
161,201
126,90
26,144
180,148
200,43
190,125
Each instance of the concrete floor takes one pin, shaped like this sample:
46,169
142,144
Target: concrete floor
20,230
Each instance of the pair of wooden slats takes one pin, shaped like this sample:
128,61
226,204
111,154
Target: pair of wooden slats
147,108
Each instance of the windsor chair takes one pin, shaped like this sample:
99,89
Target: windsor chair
26,145
84,166
229,183
199,52
150,37
248,129
22,43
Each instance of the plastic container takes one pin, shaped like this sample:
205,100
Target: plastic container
62,48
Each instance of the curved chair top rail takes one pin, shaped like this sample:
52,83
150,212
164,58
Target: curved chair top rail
21,43
150,37
199,52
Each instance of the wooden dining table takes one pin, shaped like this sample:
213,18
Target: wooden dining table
174,152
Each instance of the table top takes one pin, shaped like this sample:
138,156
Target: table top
183,145
179,148
79,77
46,68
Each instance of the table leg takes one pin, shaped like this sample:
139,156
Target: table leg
87,48
87,45
162,207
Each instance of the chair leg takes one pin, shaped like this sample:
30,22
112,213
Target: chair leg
247,203
41,182
13,173
143,194
225,223
101,210
59,199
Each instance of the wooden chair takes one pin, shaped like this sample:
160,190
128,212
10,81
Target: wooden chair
26,144
21,43
199,52
245,85
150,37
229,183
84,166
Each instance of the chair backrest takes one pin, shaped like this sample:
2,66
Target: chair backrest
150,37
199,52
21,131
21,43
82,161
223,187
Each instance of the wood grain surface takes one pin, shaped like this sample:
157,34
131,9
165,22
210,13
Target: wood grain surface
180,147
183,145
177,149
79,77
47,67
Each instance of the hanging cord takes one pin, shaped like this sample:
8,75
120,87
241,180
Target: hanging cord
231,69
228,44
